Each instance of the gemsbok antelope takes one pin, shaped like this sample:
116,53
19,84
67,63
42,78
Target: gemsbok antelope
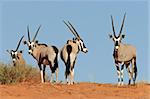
44,54
123,54
17,55
69,53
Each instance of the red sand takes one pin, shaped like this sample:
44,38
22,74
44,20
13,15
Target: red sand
78,91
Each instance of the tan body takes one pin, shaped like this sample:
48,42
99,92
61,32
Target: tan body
46,55
44,52
73,53
126,53
20,60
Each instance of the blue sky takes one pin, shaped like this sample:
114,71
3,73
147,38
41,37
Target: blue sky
92,21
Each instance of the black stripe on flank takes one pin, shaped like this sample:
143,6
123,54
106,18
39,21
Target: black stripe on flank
43,44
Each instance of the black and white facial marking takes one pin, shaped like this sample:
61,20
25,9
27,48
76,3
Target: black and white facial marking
117,40
81,45
31,46
14,55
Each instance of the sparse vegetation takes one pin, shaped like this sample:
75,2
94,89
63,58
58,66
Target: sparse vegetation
10,74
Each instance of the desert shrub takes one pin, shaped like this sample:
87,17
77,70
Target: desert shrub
15,74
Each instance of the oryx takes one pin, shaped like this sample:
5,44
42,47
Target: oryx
69,53
17,55
44,54
123,54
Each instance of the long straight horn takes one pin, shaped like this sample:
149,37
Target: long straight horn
28,33
36,33
70,29
122,24
19,43
74,30
113,26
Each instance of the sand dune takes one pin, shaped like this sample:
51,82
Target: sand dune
83,90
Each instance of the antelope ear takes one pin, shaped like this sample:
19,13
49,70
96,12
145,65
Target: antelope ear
68,41
36,41
8,51
123,35
110,36
24,42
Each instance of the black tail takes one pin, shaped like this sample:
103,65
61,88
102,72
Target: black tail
55,49
135,70
56,59
69,50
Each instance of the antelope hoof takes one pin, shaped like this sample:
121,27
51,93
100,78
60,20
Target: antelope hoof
71,83
52,81
42,82
57,82
122,83
68,83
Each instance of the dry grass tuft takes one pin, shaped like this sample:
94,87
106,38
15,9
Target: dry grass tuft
10,74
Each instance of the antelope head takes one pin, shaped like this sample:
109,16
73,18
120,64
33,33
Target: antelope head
31,44
14,53
77,38
117,39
